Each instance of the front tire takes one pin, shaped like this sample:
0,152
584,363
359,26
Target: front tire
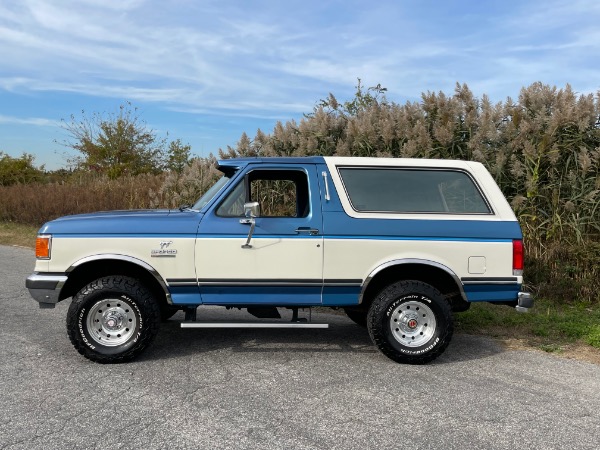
112,319
410,322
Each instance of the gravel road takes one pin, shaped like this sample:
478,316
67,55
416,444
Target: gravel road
274,389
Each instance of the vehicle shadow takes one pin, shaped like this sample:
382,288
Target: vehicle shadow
343,337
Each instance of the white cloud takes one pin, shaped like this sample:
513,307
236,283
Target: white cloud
230,56
37,121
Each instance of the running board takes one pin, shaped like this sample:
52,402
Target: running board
253,325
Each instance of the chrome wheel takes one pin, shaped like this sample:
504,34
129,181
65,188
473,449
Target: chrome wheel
412,323
111,322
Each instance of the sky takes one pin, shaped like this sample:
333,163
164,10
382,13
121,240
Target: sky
206,71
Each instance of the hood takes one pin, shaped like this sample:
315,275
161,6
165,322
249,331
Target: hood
135,222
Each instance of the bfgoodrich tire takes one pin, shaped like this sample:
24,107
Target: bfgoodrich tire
410,322
112,319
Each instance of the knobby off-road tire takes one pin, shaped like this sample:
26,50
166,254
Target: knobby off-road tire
410,322
112,319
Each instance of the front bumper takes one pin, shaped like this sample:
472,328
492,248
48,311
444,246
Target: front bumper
524,302
45,287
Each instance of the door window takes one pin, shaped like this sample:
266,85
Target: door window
280,193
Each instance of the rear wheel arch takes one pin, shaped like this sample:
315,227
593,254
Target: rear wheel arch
433,273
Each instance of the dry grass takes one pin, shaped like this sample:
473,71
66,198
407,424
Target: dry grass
577,351
37,203
18,234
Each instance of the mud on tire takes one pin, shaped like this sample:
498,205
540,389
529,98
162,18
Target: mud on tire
112,319
410,322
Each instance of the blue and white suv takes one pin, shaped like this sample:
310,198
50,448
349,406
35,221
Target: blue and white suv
397,243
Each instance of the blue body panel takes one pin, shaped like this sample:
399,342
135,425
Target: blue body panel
341,226
341,295
185,295
159,223
492,292
260,161
261,295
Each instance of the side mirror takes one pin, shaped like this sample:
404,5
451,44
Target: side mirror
251,209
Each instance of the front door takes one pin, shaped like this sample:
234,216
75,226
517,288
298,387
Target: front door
283,262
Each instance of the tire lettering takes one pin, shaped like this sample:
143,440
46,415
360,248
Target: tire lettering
419,352
81,332
395,303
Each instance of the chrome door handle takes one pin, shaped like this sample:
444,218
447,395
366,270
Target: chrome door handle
307,230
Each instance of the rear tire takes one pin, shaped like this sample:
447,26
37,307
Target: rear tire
410,322
112,319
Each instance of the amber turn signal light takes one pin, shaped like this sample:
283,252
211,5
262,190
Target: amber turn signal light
42,247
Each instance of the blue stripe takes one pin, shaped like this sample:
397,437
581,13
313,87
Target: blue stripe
311,295
341,295
128,236
185,295
261,295
407,238
275,236
338,224
349,237
492,292
257,236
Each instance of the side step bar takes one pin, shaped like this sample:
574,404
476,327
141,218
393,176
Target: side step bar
253,325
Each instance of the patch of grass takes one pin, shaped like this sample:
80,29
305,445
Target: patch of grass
548,325
17,234
551,348
593,337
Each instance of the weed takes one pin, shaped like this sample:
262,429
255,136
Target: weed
593,336
551,348
550,322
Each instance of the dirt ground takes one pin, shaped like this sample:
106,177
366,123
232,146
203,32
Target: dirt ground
580,352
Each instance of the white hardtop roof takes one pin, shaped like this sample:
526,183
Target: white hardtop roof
396,162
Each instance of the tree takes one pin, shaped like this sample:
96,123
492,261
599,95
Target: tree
178,156
362,101
115,144
18,170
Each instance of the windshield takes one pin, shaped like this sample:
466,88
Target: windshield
214,189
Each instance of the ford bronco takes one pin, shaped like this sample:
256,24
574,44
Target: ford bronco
398,244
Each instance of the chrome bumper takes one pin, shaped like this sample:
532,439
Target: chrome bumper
45,288
524,302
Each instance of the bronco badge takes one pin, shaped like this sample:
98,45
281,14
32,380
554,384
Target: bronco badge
164,250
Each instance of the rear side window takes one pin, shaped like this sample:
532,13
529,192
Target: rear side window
397,190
